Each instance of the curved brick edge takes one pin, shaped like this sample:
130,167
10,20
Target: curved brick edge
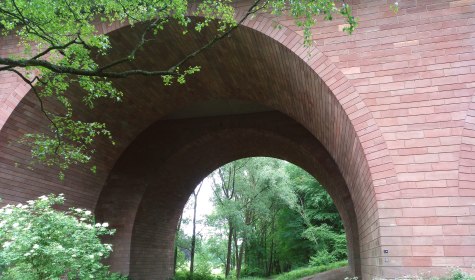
12,100
383,184
467,154
462,198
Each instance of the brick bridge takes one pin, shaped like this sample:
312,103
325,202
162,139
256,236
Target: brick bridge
384,118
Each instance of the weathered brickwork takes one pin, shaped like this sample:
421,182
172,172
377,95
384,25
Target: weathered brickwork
390,106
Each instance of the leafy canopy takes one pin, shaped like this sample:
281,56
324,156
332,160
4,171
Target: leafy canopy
282,217
38,242
61,45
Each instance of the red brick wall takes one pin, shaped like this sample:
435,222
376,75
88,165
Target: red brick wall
392,105
415,73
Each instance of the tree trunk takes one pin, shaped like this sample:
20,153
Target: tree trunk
193,237
193,242
264,257
236,248
229,255
271,257
176,247
240,252
239,260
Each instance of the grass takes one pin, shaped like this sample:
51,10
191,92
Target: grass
308,271
302,272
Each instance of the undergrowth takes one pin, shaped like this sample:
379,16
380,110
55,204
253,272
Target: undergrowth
302,272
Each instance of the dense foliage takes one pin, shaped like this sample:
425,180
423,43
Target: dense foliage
62,46
269,217
38,242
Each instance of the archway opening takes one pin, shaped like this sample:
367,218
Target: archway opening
257,217
151,182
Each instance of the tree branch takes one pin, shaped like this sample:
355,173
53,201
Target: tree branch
61,69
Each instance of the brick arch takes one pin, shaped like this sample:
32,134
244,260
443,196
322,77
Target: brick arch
314,93
317,108
151,185
378,182
360,117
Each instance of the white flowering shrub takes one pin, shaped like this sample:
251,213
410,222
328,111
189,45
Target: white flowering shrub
39,242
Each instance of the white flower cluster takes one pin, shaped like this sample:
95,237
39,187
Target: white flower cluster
102,225
7,244
86,212
7,210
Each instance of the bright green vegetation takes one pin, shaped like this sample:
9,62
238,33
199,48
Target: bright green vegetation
457,275
38,242
269,217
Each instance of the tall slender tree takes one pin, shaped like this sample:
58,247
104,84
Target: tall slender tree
196,192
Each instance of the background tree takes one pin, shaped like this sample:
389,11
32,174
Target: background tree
320,216
182,250
269,217
224,188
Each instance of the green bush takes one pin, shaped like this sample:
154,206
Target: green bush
457,274
322,258
185,275
38,242
251,272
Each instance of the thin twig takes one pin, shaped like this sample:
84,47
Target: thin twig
48,50
132,54
42,108
215,39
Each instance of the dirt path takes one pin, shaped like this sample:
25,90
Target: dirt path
336,274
